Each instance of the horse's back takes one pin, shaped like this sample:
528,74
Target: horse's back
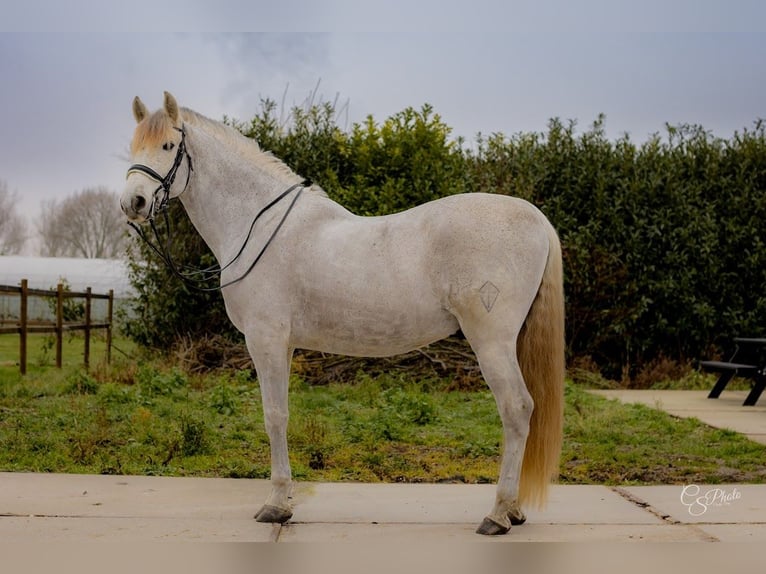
449,240
490,219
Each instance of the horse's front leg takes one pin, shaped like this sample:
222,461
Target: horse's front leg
272,363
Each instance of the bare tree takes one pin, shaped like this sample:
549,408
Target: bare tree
13,229
87,224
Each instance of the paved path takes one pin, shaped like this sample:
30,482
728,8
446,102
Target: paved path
50,508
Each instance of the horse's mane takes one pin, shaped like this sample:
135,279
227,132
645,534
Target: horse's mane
156,129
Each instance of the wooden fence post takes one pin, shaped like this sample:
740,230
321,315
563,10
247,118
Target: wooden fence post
110,309
23,320
87,327
59,323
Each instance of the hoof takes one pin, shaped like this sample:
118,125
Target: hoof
517,517
489,527
269,513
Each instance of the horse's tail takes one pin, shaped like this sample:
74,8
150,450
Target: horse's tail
541,358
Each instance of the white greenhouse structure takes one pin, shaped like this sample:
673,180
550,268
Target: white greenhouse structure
100,275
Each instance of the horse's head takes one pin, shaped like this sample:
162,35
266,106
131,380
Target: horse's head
157,151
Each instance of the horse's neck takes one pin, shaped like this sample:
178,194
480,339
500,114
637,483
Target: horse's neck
225,194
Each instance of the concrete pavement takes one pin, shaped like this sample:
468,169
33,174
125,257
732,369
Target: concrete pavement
63,508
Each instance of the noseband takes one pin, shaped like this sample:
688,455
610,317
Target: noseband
198,278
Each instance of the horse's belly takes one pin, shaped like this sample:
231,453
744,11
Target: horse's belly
358,333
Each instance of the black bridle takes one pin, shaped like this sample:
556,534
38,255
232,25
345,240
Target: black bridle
193,277
167,181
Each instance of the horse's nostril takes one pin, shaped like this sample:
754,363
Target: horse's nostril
138,203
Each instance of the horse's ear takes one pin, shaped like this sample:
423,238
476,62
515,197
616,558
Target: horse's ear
171,107
139,109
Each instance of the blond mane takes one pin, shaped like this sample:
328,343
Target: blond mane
157,128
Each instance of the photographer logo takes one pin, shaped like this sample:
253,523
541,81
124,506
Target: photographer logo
698,501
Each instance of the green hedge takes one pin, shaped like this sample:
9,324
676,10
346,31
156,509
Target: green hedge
663,241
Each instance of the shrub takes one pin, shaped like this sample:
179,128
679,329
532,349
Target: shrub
662,241
153,382
193,436
80,383
224,400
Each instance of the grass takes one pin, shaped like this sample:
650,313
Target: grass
607,442
147,419
41,352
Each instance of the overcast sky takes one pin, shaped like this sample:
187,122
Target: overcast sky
485,66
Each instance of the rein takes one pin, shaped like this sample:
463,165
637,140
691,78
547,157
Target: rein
197,278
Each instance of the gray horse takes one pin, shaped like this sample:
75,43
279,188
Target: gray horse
331,281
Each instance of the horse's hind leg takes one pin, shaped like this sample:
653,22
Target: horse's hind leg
272,363
500,368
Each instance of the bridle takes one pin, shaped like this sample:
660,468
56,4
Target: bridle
167,181
196,278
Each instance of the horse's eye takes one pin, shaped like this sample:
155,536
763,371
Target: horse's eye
168,146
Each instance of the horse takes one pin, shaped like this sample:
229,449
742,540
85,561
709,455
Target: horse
298,270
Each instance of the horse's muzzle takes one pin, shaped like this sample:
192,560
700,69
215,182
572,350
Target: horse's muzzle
135,206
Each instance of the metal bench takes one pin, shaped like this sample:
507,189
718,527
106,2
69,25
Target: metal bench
746,362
